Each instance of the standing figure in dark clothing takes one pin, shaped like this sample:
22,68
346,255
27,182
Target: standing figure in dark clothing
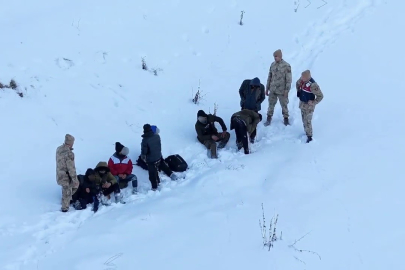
151,154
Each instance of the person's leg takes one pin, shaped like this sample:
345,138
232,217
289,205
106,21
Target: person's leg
153,175
134,180
66,197
284,106
270,110
212,147
166,169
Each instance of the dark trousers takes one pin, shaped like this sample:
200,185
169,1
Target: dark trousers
241,134
153,169
85,198
113,188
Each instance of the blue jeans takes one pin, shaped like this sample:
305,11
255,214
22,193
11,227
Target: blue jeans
130,177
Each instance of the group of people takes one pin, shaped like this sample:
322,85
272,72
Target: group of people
107,178
98,184
252,94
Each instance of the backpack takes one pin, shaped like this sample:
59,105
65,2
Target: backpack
176,163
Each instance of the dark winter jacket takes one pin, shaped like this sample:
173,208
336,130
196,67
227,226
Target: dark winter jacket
88,182
250,118
205,131
101,179
251,99
151,146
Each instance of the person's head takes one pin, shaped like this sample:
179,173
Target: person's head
278,55
69,140
306,75
255,83
147,128
102,168
202,117
121,149
90,174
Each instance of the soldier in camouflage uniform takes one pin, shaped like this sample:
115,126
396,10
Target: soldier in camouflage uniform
278,86
66,171
310,95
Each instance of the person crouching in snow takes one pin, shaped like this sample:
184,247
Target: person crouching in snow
88,192
245,123
107,183
120,166
151,154
207,133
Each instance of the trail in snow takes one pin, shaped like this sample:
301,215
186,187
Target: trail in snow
55,227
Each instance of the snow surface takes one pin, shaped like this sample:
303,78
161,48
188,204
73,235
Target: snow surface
78,66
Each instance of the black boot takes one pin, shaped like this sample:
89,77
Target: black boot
286,122
309,139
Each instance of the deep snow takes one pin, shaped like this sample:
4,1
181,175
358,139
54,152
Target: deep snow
78,65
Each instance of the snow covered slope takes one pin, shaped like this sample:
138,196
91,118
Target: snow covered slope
78,64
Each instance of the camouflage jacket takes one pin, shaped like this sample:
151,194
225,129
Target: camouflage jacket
312,93
65,166
280,77
250,118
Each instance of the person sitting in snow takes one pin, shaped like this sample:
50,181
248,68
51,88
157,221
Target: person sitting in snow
208,135
151,154
162,166
245,122
120,166
107,183
88,191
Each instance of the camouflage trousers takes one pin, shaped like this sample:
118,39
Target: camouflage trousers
67,193
306,113
273,98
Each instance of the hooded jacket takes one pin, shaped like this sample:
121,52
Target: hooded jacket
99,179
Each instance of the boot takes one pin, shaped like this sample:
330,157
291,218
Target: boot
268,121
309,139
77,205
119,198
173,177
286,122
239,145
221,145
105,200
134,190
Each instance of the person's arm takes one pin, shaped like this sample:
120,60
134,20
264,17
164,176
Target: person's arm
111,166
288,79
221,122
316,90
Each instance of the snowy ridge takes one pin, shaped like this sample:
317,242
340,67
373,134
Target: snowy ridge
214,211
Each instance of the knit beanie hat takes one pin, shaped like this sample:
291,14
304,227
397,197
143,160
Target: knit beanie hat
90,172
278,53
118,147
147,128
69,139
155,129
201,113
255,82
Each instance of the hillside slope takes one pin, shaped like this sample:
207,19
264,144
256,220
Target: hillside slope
78,65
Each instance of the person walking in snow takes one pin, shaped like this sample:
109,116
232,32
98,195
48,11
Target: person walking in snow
245,123
151,154
107,183
252,95
278,86
207,133
66,171
310,95
120,166
88,191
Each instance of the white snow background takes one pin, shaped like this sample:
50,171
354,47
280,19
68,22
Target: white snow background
78,64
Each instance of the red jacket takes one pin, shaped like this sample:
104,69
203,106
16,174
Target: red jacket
119,165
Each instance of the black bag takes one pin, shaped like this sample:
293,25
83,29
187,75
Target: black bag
176,163
141,163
